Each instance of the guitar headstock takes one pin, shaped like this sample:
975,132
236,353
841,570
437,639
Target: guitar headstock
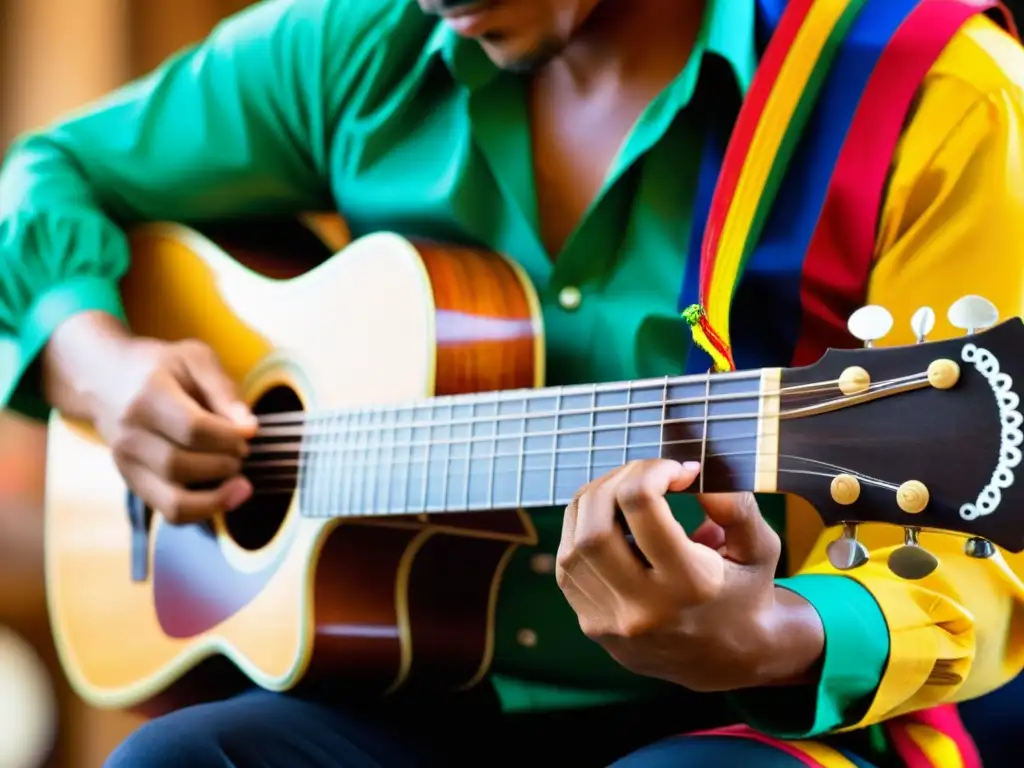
926,436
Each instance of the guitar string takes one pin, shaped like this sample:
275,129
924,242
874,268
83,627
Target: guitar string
470,398
307,449
285,476
425,508
348,429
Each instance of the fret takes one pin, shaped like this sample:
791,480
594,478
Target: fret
326,460
573,445
457,495
403,461
552,496
385,461
506,485
438,457
361,460
481,451
537,457
644,419
306,474
345,460
419,459
609,430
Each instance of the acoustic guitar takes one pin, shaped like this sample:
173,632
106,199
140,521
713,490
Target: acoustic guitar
404,429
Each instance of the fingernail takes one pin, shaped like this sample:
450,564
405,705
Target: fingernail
239,493
691,466
241,415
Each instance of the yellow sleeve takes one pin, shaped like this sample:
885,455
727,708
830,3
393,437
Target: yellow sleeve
952,224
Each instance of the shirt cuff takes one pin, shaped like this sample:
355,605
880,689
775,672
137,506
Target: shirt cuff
856,651
81,294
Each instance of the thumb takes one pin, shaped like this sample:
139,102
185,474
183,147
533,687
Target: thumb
217,389
749,539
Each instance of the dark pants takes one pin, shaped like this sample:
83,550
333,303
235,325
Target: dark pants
264,730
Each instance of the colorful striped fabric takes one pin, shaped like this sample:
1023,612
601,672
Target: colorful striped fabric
798,218
767,132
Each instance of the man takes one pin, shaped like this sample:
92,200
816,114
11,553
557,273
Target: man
571,135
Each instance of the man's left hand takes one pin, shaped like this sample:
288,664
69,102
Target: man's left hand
703,611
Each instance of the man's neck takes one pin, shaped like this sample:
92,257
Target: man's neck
631,42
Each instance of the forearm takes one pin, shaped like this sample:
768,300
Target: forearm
76,347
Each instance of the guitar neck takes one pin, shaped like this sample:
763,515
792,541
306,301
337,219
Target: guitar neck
529,448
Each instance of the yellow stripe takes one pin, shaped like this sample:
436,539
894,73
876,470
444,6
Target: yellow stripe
782,102
826,756
940,748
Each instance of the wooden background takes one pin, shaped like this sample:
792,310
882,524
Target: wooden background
56,55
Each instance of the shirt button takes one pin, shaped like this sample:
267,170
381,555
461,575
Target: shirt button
526,638
570,298
543,563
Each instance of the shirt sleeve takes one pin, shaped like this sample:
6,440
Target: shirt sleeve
235,126
952,224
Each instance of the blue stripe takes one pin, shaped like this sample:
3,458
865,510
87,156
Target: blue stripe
766,313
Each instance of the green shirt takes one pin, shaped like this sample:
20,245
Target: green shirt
369,107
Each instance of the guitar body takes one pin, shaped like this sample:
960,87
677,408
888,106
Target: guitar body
141,609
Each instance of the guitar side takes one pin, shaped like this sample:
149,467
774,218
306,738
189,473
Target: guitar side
358,603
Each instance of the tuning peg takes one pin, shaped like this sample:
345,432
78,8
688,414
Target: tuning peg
846,553
979,548
972,313
870,323
922,323
912,561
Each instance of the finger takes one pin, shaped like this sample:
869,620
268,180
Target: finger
581,587
710,534
179,505
216,388
748,537
601,541
641,497
171,412
179,465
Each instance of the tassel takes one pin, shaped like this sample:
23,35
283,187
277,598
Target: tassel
705,337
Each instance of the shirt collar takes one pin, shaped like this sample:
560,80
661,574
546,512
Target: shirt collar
727,31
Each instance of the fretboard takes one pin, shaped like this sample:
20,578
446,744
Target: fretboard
526,448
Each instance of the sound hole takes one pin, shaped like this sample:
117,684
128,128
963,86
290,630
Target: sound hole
273,469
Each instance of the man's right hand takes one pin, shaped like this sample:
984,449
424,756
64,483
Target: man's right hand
168,412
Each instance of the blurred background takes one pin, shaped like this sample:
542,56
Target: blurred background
54,56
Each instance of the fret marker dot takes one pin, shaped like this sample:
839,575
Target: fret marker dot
943,374
854,380
570,297
526,638
845,489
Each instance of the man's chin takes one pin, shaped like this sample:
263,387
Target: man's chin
510,58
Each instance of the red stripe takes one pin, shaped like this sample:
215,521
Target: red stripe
839,259
743,133
909,753
945,720
745,732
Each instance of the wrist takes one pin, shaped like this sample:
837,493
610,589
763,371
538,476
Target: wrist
794,642
77,359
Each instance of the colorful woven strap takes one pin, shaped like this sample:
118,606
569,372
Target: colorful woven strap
812,754
767,131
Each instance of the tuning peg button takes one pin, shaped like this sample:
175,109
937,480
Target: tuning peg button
846,553
973,313
912,561
922,323
870,323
